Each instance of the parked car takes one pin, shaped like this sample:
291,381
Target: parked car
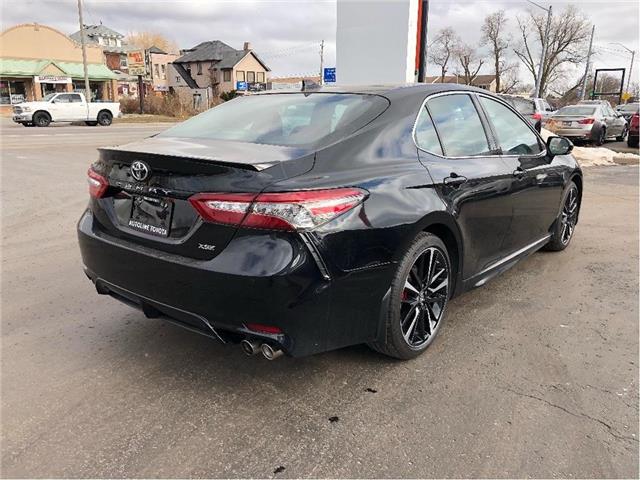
593,122
303,222
65,107
628,110
632,139
536,110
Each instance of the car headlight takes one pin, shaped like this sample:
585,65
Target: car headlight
26,109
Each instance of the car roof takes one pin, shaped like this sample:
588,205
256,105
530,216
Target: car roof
390,91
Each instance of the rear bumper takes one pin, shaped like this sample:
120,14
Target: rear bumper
219,297
572,132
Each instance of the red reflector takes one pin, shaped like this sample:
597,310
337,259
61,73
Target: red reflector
537,116
586,121
97,184
258,327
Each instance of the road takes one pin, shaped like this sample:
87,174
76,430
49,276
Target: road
533,375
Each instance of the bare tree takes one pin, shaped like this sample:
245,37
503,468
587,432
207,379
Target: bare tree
568,38
442,49
494,36
469,62
147,39
510,81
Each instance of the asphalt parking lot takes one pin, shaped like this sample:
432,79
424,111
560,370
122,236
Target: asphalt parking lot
533,375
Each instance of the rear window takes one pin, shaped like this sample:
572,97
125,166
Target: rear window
577,111
293,119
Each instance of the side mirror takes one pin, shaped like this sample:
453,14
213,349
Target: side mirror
559,146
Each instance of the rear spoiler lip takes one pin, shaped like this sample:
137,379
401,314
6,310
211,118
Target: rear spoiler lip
258,167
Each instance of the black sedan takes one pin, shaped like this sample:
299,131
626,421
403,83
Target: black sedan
302,222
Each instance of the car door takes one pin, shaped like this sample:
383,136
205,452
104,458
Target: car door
470,177
611,119
57,107
77,107
536,181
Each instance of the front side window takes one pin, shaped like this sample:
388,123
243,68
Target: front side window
514,135
459,126
426,137
64,98
75,98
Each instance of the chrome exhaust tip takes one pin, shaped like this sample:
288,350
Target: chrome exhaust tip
250,347
269,352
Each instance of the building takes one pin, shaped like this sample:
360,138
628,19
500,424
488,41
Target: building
36,60
115,49
211,68
291,83
157,69
486,82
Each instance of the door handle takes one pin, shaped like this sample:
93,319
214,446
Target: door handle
519,172
454,179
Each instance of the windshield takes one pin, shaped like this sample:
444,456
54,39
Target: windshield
577,111
292,119
49,96
631,107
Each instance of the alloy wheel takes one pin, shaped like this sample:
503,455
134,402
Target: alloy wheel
424,297
569,216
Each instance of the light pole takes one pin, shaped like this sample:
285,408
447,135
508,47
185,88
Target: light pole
545,42
633,56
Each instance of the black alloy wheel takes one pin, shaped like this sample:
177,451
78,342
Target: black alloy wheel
623,136
566,222
41,119
425,295
104,118
418,298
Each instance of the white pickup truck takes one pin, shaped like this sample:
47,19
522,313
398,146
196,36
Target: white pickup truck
65,107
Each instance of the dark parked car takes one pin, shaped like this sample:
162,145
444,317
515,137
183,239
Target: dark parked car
303,222
628,110
632,139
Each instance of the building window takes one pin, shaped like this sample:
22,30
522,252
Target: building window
251,77
100,41
240,76
156,70
12,92
178,79
260,77
112,42
123,61
164,72
227,75
199,68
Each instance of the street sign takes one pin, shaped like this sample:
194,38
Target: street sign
329,75
241,86
626,96
135,63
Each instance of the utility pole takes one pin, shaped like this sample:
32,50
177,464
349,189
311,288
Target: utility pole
322,62
633,56
87,88
421,48
587,67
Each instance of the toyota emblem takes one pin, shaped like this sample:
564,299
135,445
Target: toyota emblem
140,170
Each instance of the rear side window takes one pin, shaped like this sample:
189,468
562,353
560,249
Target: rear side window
514,136
290,119
458,124
426,137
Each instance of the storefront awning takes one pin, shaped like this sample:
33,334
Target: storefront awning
10,67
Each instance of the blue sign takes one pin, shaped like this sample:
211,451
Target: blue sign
329,75
241,86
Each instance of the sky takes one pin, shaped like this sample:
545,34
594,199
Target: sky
287,33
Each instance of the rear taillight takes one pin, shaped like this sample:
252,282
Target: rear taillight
586,121
279,211
537,116
97,184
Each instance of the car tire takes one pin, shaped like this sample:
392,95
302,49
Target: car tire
632,141
417,307
623,136
105,118
565,224
91,124
41,119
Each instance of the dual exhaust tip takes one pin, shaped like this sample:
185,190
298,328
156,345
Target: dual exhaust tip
252,347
